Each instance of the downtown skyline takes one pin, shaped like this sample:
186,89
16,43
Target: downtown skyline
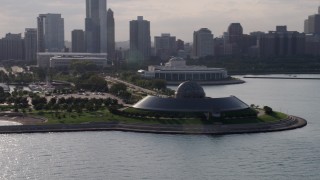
179,18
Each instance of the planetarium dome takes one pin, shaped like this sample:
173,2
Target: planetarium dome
190,89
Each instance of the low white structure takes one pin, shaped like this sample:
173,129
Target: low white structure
66,61
43,59
5,87
177,70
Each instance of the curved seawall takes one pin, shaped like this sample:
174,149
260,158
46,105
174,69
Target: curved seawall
290,123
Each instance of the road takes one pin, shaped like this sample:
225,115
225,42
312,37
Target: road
132,86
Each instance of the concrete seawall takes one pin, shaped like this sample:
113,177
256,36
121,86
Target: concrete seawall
227,82
260,77
290,123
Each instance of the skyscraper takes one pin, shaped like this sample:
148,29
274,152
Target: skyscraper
12,47
96,26
234,39
165,46
312,24
111,35
50,33
78,42
282,43
235,32
180,44
203,44
30,41
140,39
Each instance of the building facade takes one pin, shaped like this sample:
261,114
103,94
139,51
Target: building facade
67,60
234,39
203,43
140,40
30,44
180,44
50,33
312,24
78,41
96,26
281,43
111,35
176,70
165,46
43,59
12,47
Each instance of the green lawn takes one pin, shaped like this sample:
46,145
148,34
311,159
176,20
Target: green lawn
106,116
275,116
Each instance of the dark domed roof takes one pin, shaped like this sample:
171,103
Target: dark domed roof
190,89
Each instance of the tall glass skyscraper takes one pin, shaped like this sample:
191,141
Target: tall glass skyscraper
96,26
50,33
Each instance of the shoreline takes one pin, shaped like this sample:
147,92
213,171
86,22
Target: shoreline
290,123
265,77
227,82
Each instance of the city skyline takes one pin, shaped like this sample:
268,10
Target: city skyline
178,18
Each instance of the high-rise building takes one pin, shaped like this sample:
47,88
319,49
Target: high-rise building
12,47
78,42
50,33
235,32
312,24
30,41
281,43
96,26
180,45
203,43
140,39
234,39
111,35
165,46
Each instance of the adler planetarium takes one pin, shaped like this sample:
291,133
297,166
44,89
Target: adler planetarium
190,97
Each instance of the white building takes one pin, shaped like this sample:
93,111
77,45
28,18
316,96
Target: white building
176,70
66,61
5,87
43,59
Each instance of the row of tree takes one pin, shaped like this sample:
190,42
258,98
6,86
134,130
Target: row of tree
72,104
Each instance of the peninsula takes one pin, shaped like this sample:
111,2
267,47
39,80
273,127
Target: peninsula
189,112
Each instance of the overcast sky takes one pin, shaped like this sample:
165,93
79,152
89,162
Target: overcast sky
178,17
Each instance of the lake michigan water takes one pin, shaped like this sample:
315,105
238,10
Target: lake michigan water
117,155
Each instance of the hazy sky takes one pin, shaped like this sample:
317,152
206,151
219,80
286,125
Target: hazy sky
178,17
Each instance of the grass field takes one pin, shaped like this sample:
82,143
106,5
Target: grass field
106,116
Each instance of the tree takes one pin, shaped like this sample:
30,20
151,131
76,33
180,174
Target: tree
159,84
39,100
93,83
118,88
268,110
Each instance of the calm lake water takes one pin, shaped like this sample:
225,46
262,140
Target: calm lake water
117,155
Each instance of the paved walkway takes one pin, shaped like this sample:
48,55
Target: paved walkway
290,123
